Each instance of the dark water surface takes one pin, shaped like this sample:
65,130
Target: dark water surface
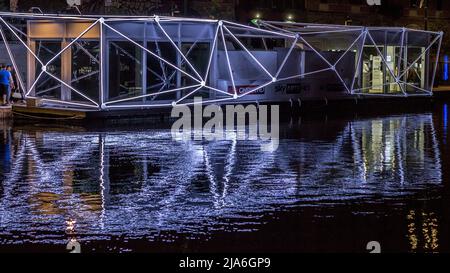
333,185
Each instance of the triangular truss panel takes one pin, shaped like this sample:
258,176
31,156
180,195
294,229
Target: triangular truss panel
379,66
420,50
85,76
322,52
348,63
183,50
13,45
47,81
43,62
252,56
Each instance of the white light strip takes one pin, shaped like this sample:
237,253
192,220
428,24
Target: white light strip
87,52
179,19
102,63
423,31
24,44
73,89
161,65
260,30
206,101
304,74
301,30
139,61
421,89
249,53
72,81
398,95
254,89
151,53
360,55
137,20
141,105
228,60
218,90
342,81
287,30
305,33
179,51
168,104
399,67
155,85
187,19
189,94
48,89
109,18
213,49
349,48
274,28
385,62
45,16
182,61
18,30
69,103
420,56
286,58
59,53
315,51
151,94
34,83
436,63
378,85
72,42
310,24
13,61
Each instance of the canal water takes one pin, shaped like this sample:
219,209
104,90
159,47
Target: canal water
333,185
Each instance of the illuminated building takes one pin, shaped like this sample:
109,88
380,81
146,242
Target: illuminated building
126,62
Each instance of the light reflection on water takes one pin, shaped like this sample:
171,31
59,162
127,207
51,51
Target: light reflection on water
141,182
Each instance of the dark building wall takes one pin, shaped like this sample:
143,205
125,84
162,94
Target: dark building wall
405,13
197,8
358,12
224,9
45,5
392,12
136,7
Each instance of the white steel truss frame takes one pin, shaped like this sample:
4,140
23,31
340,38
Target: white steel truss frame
295,32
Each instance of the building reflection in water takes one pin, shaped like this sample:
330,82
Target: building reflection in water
142,182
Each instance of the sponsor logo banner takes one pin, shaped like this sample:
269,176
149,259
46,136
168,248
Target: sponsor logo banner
242,89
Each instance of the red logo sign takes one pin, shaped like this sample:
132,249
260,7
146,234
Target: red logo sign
243,89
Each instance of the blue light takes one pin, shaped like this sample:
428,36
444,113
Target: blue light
445,117
446,68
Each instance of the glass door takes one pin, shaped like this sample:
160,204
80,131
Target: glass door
47,86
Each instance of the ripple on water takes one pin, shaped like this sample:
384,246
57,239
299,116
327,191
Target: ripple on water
140,183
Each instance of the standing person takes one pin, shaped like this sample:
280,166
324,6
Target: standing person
6,83
16,85
3,92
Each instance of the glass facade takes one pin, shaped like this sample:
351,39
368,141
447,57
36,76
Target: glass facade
46,85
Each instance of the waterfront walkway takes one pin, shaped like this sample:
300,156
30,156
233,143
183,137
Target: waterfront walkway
442,88
5,112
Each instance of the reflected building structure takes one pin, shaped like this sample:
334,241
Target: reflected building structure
134,182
